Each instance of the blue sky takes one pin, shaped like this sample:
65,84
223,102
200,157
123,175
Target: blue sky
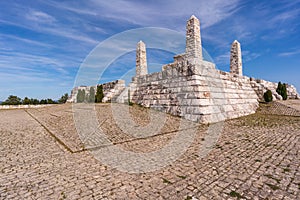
43,43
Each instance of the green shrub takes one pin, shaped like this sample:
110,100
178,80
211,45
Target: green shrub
99,94
129,102
268,96
12,100
80,96
92,95
284,92
63,98
281,90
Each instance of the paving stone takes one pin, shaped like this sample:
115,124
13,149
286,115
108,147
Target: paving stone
255,156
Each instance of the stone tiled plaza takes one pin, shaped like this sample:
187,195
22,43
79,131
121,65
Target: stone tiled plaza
255,157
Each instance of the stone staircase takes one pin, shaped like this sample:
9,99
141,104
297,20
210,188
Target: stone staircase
122,97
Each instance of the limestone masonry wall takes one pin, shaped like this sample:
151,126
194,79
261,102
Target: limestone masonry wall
261,86
111,90
197,93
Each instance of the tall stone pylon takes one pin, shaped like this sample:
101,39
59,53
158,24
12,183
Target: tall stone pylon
193,47
141,59
236,58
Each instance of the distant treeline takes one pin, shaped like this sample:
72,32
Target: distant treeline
14,100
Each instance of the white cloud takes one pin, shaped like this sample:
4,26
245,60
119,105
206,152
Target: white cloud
51,28
223,59
40,17
290,53
248,55
168,13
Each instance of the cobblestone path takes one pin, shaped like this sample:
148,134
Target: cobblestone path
42,157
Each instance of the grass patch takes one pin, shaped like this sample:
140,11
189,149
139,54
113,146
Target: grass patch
218,147
182,177
247,140
188,198
273,187
63,195
235,194
272,177
286,169
166,181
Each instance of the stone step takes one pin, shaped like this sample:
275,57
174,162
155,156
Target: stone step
122,97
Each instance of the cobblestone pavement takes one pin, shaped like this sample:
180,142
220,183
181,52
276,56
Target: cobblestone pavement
288,108
295,103
256,157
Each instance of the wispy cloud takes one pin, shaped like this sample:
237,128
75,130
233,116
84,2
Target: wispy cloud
40,17
28,41
223,59
74,7
151,13
49,39
46,24
249,56
289,53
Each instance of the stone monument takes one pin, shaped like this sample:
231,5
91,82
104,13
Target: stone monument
236,58
193,39
141,59
191,87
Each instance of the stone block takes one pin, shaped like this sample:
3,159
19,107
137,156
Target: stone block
200,102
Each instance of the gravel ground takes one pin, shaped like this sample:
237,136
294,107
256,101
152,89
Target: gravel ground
43,157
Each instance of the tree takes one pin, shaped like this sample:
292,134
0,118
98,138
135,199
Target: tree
63,98
34,101
268,96
43,101
80,96
281,89
284,92
92,95
99,94
129,101
12,100
50,101
26,101
83,96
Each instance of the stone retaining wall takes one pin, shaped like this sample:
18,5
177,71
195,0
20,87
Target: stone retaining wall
4,107
196,92
261,86
111,90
